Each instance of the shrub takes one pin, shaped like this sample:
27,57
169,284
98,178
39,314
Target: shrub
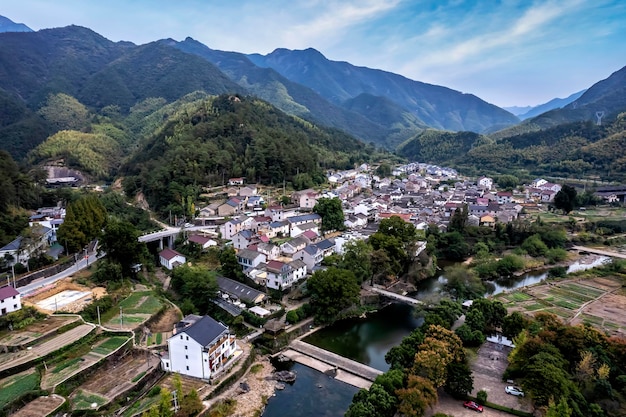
481,397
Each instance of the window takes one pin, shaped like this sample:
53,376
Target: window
185,347
187,367
186,356
15,306
181,337
187,337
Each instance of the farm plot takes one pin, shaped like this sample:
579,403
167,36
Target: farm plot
135,310
117,377
59,372
11,388
40,406
12,359
168,382
596,301
36,330
85,401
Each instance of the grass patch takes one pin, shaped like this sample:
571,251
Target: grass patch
138,377
519,296
159,338
65,364
534,307
109,345
143,302
593,320
83,400
256,368
223,408
567,304
15,386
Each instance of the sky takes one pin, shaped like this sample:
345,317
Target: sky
507,52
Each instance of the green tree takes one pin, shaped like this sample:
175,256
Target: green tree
514,324
458,220
196,284
357,258
534,246
84,220
462,283
331,212
460,381
120,242
191,405
229,266
560,409
332,291
64,112
373,402
402,356
565,199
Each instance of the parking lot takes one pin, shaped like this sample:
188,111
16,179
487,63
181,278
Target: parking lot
487,369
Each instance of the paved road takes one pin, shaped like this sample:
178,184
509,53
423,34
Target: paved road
43,282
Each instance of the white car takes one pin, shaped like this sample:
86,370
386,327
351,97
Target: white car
514,391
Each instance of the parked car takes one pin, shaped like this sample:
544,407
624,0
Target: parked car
510,389
473,406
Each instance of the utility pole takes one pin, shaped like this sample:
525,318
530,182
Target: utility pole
121,318
98,308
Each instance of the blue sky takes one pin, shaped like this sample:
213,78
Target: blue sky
507,52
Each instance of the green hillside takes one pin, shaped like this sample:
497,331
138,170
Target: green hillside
207,141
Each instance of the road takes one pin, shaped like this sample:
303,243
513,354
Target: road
43,282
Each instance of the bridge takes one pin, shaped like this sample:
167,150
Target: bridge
394,296
169,233
346,370
600,252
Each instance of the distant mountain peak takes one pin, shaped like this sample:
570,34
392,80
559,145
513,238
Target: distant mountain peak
7,25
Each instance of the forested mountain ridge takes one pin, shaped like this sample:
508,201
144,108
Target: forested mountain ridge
289,96
578,149
7,25
439,107
209,140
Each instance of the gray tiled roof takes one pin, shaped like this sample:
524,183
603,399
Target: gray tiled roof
205,330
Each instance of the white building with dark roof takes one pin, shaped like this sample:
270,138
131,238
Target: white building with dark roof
170,258
200,347
9,300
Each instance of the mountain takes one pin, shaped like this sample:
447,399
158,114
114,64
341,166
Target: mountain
98,72
215,138
436,106
7,25
555,103
517,110
290,97
606,97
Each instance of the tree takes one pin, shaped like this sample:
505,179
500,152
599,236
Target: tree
373,402
332,290
403,355
458,220
565,199
84,220
120,243
196,284
560,409
419,395
460,381
357,258
462,283
514,324
191,405
331,212
229,266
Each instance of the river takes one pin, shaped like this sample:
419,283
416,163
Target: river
367,340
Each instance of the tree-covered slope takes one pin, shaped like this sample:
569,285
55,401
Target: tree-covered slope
207,141
289,96
439,107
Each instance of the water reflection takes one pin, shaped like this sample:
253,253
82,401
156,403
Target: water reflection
313,394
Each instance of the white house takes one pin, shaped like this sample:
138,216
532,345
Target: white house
170,259
200,347
204,241
9,300
243,239
311,256
485,182
250,258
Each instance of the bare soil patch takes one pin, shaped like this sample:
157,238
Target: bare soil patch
166,321
67,285
41,406
119,375
36,330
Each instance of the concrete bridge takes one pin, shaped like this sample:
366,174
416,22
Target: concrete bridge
600,252
346,370
394,296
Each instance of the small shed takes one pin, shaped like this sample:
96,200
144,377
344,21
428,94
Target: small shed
260,311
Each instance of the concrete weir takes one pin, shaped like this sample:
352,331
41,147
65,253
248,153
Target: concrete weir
346,370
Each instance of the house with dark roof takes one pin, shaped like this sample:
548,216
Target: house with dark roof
170,258
9,300
204,241
250,258
237,290
200,347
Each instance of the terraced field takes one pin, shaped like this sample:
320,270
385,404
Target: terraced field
135,310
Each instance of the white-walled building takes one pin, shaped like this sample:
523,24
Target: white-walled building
9,300
170,258
200,347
